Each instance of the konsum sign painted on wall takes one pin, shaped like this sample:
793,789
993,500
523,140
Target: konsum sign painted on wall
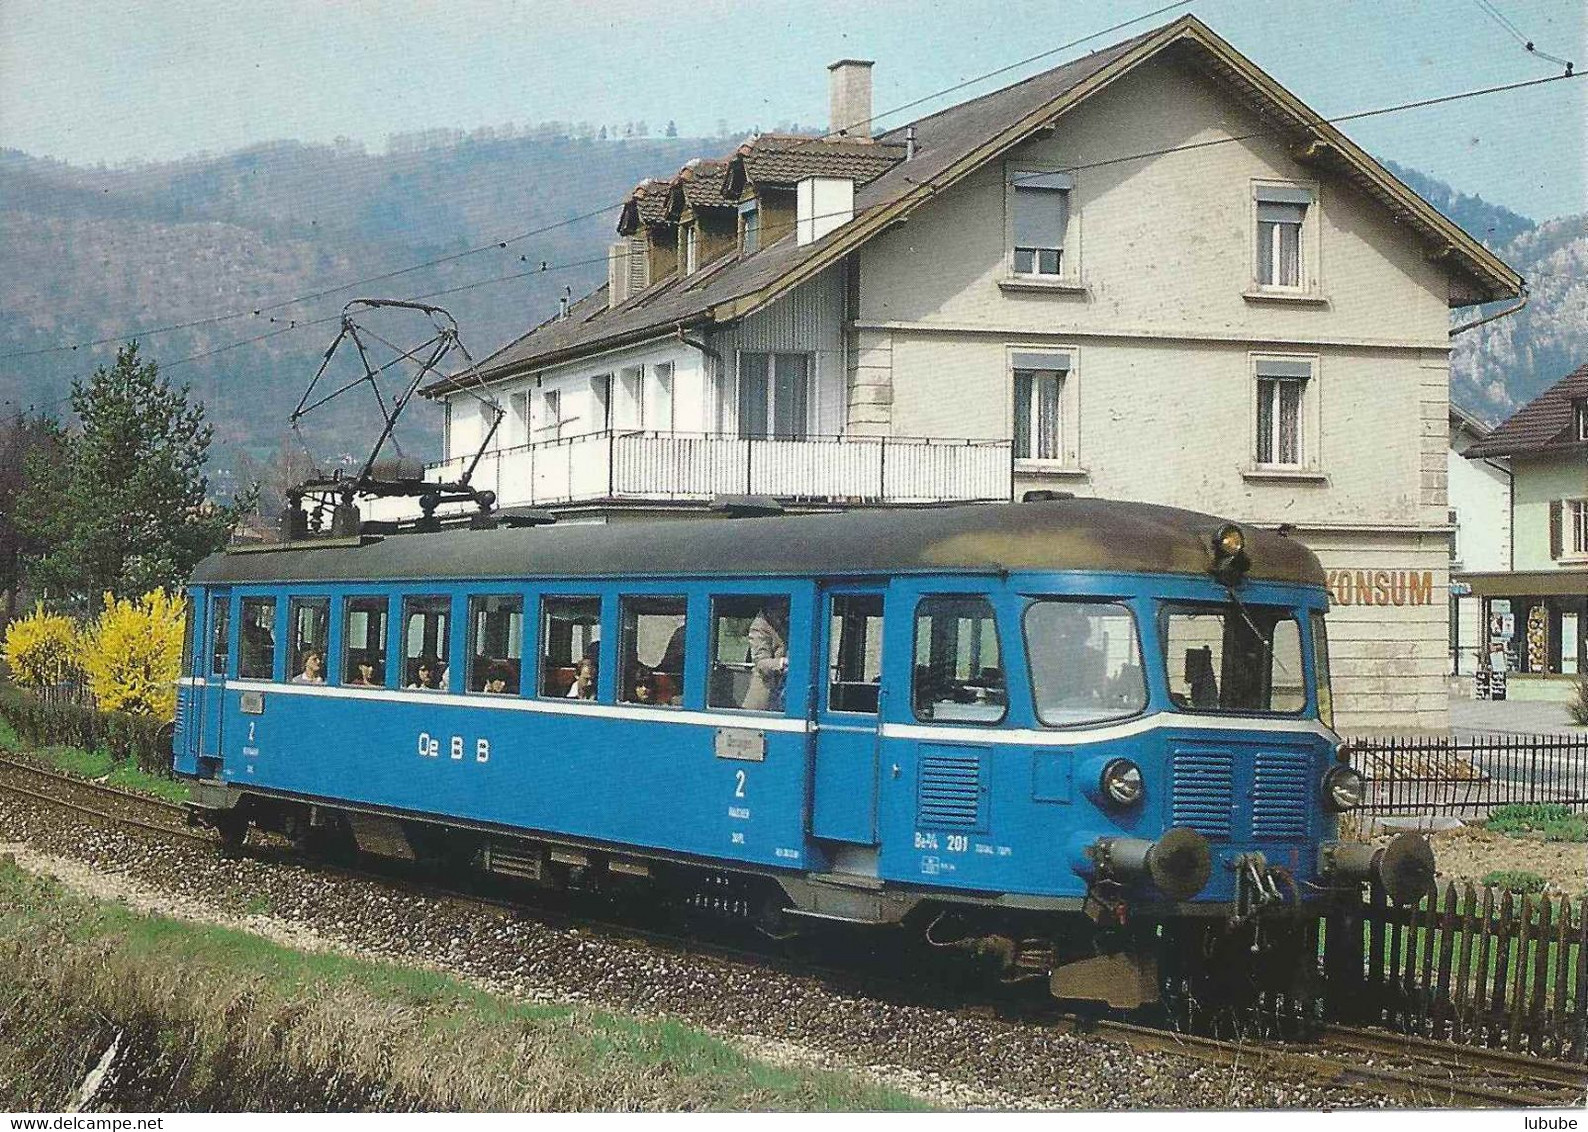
1381,587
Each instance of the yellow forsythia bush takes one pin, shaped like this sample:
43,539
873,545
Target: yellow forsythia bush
133,654
41,648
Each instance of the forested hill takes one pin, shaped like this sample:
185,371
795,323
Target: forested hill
92,253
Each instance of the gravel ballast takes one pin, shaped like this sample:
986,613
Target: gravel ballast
955,1058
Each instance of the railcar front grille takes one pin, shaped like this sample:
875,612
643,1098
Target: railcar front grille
950,790
1279,796
1204,791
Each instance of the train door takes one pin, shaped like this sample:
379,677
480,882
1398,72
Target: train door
847,715
212,662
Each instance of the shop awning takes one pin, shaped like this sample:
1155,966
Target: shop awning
1527,583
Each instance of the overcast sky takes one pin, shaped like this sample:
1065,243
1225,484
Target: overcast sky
99,80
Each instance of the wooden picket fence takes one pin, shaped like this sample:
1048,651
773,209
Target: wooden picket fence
1470,965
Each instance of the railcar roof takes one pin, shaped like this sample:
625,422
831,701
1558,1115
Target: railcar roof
1053,535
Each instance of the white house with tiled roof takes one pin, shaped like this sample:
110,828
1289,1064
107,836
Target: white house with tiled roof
1151,273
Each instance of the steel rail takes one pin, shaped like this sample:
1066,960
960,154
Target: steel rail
103,815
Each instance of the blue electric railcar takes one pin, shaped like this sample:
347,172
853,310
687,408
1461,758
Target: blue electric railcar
1082,726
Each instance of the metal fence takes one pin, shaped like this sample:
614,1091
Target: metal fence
1476,966
1468,777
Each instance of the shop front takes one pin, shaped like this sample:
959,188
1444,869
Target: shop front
1535,628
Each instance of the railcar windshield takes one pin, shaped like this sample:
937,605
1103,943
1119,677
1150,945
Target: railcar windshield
1085,662
1234,658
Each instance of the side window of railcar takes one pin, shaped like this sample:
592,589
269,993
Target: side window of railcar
426,621
854,661
309,621
1224,658
570,647
749,652
496,644
220,634
364,642
959,674
651,651
1320,667
1085,662
256,643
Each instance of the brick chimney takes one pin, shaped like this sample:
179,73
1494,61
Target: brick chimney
849,98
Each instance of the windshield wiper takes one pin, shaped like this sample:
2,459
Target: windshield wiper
1268,644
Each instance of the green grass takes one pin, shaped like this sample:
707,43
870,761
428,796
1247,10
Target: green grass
423,1033
97,764
1514,880
1552,820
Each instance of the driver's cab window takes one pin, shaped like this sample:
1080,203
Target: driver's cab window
854,660
959,673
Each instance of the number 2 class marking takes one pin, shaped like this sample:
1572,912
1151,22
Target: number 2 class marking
738,784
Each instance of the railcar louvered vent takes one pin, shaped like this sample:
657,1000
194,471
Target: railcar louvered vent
1279,796
1204,791
950,790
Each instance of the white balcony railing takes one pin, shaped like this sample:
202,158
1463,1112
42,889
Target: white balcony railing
664,467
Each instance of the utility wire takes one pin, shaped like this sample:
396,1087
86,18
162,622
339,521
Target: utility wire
497,245
1527,44
545,267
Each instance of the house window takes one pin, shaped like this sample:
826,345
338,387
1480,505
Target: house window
1281,396
689,247
518,417
1281,212
775,396
657,410
1578,510
629,412
750,226
601,392
1039,381
1040,205
1579,413
550,415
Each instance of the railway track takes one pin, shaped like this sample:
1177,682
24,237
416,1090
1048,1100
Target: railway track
98,801
1414,1070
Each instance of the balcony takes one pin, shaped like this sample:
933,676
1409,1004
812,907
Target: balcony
622,466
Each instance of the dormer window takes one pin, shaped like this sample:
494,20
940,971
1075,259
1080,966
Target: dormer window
749,226
689,247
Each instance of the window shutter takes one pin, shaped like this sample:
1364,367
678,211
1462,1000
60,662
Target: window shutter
1041,216
1555,507
1280,213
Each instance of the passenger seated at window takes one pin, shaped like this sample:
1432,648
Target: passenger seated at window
584,681
365,674
768,655
426,675
499,679
313,669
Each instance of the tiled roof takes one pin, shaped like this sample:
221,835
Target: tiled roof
949,144
1543,424
782,160
650,200
701,185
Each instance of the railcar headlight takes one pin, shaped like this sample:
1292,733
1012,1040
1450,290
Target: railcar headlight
1121,782
1230,541
1343,789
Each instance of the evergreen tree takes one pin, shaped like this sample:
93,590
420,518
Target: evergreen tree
31,448
125,511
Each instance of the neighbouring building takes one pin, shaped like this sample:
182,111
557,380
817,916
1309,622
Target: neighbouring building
1151,273
1535,606
1480,513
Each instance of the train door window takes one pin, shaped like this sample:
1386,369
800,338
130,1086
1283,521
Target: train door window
426,621
496,644
256,645
1085,662
749,652
310,619
188,620
855,653
1234,658
959,674
364,643
570,647
220,633
651,651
